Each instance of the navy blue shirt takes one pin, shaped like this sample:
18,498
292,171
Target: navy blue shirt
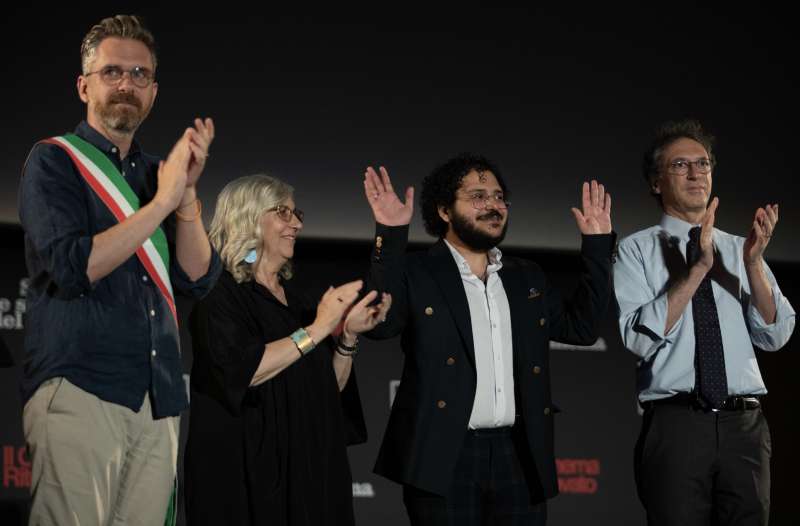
114,338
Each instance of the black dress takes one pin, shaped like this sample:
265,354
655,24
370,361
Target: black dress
273,454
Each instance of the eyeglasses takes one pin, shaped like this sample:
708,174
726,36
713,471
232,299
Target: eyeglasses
285,213
481,200
681,166
113,75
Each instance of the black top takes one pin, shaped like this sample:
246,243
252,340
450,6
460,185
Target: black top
100,336
274,453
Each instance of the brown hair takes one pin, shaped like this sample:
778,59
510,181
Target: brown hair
120,26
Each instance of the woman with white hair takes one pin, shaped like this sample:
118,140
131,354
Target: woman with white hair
266,433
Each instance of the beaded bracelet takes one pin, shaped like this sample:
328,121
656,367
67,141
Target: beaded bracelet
346,350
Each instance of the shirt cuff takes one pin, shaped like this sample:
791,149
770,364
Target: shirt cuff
783,312
389,240
203,285
599,243
76,282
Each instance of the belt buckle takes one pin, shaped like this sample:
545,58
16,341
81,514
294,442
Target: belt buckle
746,400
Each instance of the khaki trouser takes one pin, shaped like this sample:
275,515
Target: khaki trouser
97,463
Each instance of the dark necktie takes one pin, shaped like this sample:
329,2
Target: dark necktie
709,359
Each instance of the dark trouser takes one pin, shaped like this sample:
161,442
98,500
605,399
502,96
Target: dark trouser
700,468
489,487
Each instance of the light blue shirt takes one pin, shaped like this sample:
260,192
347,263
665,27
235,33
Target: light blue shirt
648,263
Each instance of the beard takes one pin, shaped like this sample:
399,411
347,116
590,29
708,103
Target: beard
474,238
123,118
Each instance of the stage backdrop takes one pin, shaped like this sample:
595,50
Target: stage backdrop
593,386
555,93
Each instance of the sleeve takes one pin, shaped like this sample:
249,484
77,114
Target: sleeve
771,336
199,288
53,212
227,350
180,280
575,320
641,315
387,273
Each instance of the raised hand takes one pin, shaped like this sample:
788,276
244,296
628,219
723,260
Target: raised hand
706,259
757,240
595,216
200,138
386,206
172,174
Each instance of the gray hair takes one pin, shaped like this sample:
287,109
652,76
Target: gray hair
236,227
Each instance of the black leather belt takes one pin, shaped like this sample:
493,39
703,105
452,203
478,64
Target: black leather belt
693,401
491,431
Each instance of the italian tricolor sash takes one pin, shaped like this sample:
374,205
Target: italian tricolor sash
112,188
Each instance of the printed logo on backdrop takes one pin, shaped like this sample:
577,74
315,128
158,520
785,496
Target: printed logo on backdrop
578,476
16,468
599,346
12,309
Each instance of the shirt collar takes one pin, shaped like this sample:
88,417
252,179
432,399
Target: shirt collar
494,260
94,137
676,227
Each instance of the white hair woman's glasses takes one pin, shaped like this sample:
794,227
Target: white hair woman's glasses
285,213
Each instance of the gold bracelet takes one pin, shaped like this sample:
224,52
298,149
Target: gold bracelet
192,217
303,341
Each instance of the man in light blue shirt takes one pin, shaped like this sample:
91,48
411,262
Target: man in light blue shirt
694,302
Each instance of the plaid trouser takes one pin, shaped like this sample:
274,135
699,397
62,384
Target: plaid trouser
489,486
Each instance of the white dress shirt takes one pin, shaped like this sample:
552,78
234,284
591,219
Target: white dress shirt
491,334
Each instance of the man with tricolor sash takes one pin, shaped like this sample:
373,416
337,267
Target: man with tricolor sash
111,234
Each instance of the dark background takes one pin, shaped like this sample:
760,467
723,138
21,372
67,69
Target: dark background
554,95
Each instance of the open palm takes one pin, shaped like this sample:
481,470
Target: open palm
595,216
386,206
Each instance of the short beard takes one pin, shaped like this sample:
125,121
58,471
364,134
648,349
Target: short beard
122,119
473,238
